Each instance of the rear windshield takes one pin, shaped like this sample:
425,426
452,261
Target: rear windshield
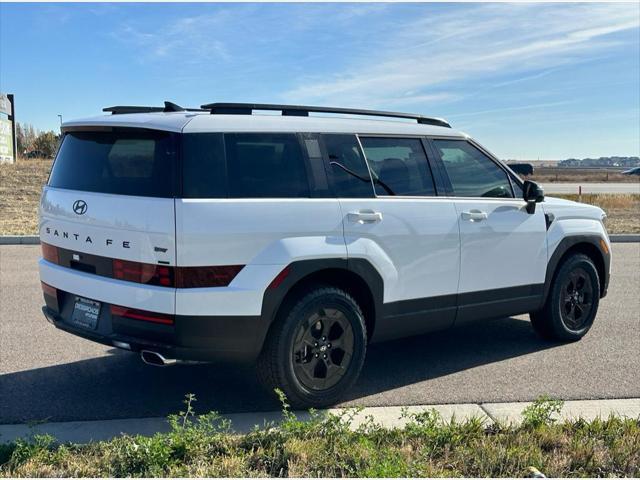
139,162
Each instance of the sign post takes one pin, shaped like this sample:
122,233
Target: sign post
8,140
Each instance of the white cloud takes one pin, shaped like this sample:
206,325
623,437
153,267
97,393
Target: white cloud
476,42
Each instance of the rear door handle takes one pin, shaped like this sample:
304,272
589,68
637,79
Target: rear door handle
474,215
365,216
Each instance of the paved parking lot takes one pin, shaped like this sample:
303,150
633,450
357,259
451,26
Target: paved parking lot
48,375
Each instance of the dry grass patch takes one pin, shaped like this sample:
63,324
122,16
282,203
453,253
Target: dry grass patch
623,210
551,174
20,188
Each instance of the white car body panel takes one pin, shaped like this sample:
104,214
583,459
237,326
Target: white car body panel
117,292
573,219
257,231
507,249
415,246
143,222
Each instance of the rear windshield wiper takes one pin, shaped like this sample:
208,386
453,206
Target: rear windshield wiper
364,179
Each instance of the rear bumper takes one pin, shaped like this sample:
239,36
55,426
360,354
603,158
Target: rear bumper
235,339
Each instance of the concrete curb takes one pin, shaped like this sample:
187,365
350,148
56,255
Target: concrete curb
35,240
624,238
19,240
388,417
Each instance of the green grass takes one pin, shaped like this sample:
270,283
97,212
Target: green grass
326,446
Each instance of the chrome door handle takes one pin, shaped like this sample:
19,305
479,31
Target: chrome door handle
474,215
365,216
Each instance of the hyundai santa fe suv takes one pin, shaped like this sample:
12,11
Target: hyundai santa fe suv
294,240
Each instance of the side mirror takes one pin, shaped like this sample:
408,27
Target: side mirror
532,193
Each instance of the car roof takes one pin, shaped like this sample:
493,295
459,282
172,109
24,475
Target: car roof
191,122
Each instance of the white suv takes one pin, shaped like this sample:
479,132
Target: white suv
294,240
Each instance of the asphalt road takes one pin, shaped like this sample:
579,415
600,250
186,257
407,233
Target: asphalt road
551,188
46,374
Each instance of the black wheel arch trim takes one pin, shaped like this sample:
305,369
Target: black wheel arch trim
299,270
570,243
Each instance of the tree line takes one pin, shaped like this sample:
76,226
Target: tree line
32,142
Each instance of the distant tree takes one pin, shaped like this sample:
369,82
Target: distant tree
26,138
47,143
20,138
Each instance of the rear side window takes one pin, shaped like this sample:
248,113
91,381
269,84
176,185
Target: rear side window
133,162
399,166
349,172
203,166
471,172
263,165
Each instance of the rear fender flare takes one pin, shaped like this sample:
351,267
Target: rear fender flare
299,270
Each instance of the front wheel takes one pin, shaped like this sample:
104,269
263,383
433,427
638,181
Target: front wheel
572,302
316,348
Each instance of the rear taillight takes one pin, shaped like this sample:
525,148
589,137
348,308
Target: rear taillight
50,253
142,315
179,277
146,273
151,274
50,296
49,290
194,277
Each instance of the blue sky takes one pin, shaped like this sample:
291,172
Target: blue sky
529,81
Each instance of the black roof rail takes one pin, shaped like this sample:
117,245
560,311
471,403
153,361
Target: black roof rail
304,110
168,107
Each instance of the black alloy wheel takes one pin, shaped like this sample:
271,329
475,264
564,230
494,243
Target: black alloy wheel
576,299
322,349
315,349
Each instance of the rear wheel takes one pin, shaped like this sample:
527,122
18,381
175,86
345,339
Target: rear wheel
316,349
572,302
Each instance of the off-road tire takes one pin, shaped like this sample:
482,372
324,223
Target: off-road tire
552,322
278,363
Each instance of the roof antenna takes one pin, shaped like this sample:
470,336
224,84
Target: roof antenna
172,107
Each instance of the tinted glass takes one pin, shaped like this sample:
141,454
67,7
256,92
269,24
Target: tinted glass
139,163
347,167
261,165
203,166
471,172
399,166
317,173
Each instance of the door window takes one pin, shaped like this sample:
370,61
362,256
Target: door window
348,169
471,172
399,166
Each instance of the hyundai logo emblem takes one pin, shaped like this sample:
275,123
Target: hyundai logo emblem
79,207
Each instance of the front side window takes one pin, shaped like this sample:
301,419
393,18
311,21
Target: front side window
265,165
399,166
471,172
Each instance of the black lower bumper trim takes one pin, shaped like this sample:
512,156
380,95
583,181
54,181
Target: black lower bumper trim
196,338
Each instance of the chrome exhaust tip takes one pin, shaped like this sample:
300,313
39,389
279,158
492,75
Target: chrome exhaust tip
155,359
